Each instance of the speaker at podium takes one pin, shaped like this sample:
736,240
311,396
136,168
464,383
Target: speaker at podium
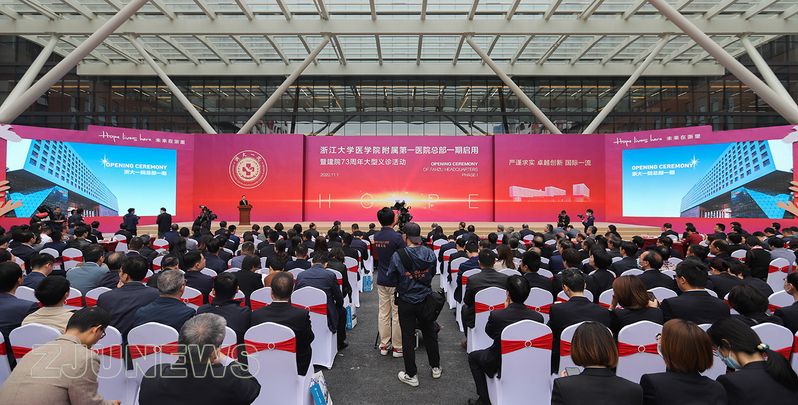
243,214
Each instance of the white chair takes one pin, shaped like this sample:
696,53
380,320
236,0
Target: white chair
272,347
550,242
5,367
26,293
71,257
779,300
149,274
156,263
732,311
566,337
75,299
238,296
739,255
230,263
149,344
777,271
26,338
368,263
779,338
669,273
546,273
339,277
263,262
517,262
232,270
674,261
563,298
260,298
160,245
230,343
192,297
54,253
228,251
510,272
794,361
295,272
121,245
528,240
444,273
352,269
637,351
662,293
208,272
454,270
458,316
632,272
616,259
325,343
718,368
586,261
20,262
544,260
524,343
92,295
112,375
674,238
485,301
712,293
436,246
605,298
540,300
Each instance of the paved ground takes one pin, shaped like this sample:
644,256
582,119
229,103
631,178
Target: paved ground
360,375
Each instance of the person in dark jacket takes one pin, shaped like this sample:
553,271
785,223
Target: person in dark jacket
168,308
652,276
164,222
751,305
486,278
125,301
630,293
131,220
756,380
225,287
759,259
695,304
319,277
248,280
687,351
530,264
594,349
789,314
14,309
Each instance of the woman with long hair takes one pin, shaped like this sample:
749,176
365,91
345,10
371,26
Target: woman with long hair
505,260
177,248
630,293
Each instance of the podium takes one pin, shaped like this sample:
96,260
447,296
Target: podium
243,214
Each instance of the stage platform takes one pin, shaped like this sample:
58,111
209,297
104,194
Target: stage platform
481,228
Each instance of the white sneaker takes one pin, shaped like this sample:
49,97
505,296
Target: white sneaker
436,372
384,350
411,381
397,353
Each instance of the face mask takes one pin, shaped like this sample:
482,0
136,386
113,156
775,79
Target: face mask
639,266
730,362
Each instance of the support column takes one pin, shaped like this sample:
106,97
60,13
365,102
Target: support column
70,61
765,71
172,87
626,86
785,109
30,75
514,87
283,87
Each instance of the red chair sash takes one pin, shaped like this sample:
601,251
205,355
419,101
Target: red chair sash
774,269
155,267
114,351
91,302
773,307
230,351
445,258
465,280
137,351
75,301
605,305
543,342
257,304
193,300
340,281
480,307
319,309
544,309
3,351
72,259
625,349
286,345
562,299
795,345
565,348
353,269
19,351
785,351
453,270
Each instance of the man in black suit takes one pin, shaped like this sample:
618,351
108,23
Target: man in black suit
220,379
525,231
556,262
472,252
789,315
759,259
14,310
488,361
360,245
628,261
95,233
652,276
319,277
243,200
695,304
114,261
124,232
720,231
212,259
168,308
25,250
164,222
333,239
282,312
195,262
248,280
720,249
460,230
614,245
666,241
530,264
301,261
123,302
267,249
81,240
134,248
225,287
573,260
736,243
488,277
577,309
724,281
349,251
668,231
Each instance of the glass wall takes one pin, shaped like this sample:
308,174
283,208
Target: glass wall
398,105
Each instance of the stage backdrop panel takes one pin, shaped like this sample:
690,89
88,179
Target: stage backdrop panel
537,176
267,168
699,176
443,178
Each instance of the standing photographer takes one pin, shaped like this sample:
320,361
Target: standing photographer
131,220
412,269
563,220
386,242
587,219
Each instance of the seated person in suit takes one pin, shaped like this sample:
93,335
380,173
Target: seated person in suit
42,266
472,252
85,276
276,265
69,376
57,243
488,277
168,263
319,277
695,304
757,380
530,264
147,250
135,246
630,293
614,245
720,249
225,287
594,349
195,263
301,261
573,260
577,309
556,263
123,302
247,248
168,308
51,293
203,375
743,271
248,279
759,259
789,315
24,250
114,261
722,279
687,351
81,240
488,361
212,259
651,262
751,305
14,310
628,261
282,312
602,277
173,231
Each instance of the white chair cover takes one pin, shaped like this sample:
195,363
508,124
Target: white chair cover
160,245
794,360
325,343
632,272
208,272
149,334
485,302
674,261
637,348
533,342
540,301
662,293
458,316
669,273
443,279
616,259
276,371
455,270
112,375
156,263
546,273
779,300
92,295
71,257
30,336
295,272
260,297
26,293
779,338
5,367
605,299
121,245
563,298
75,299
352,270
718,368
777,271
566,336
192,297
739,255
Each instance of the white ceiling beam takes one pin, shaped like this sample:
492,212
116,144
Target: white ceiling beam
591,8
618,49
322,9
208,44
511,11
38,41
206,8
166,10
633,8
546,55
459,48
404,68
121,52
72,41
80,8
423,10
373,9
379,49
760,41
115,4
418,52
681,4
690,44
284,8
277,49
657,46
8,12
154,53
703,55
789,12
492,45
41,9
719,8
762,6
552,8
307,47
246,49
338,49
585,49
242,4
473,11
180,48
520,50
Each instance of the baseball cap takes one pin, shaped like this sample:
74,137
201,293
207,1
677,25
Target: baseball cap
413,232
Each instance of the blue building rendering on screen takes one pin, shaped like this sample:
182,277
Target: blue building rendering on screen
746,181
51,173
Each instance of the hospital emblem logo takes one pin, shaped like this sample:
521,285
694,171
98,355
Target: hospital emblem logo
248,169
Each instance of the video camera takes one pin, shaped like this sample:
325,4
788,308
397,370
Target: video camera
580,216
403,214
205,216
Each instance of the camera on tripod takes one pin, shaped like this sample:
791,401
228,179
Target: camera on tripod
206,216
403,215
